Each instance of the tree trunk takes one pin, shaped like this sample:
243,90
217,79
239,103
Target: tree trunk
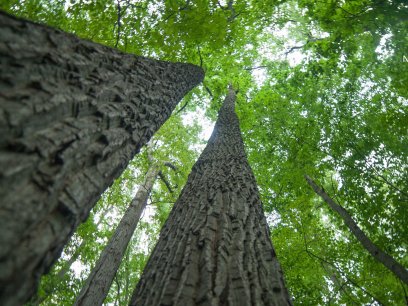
67,265
97,285
72,115
215,247
388,261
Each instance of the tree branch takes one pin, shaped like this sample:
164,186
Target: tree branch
295,48
208,90
254,68
118,23
343,274
163,178
177,11
182,108
171,166
199,54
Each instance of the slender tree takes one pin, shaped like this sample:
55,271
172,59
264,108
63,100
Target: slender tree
388,261
99,281
66,266
72,115
215,247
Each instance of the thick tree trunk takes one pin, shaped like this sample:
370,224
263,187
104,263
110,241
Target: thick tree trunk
72,115
97,285
215,247
388,261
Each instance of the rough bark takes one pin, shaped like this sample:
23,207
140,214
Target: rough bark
72,114
97,285
389,262
215,247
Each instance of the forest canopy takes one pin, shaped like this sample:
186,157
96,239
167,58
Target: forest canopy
322,91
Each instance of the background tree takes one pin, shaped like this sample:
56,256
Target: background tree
102,275
378,254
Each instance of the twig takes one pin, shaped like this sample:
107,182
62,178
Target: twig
294,48
179,10
163,178
119,24
209,91
182,108
254,68
171,166
310,39
199,54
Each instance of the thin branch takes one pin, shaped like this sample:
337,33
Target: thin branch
134,5
163,178
309,40
370,166
171,166
209,91
295,48
343,274
177,11
118,23
182,108
149,148
199,54
117,300
222,7
405,292
254,68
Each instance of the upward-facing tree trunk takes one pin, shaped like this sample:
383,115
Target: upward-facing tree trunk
215,247
388,261
96,287
72,114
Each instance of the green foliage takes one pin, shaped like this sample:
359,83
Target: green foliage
322,91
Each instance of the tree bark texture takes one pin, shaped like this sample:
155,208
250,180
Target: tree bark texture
96,287
72,115
215,247
388,261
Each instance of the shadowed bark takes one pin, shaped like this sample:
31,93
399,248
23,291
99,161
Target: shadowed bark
96,287
388,261
72,115
215,247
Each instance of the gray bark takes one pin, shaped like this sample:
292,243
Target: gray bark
215,247
97,285
72,115
389,262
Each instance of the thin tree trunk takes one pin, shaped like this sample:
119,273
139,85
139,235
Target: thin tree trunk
72,115
67,266
97,285
388,261
36,300
127,272
215,247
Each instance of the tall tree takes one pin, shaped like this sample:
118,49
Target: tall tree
99,281
215,246
73,113
387,260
